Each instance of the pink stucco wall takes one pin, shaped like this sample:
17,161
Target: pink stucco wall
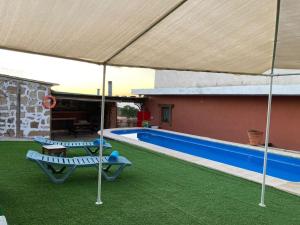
229,117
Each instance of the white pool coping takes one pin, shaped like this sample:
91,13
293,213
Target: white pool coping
287,186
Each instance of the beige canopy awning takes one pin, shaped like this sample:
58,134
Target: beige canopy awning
201,35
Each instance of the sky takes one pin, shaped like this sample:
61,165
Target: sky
74,76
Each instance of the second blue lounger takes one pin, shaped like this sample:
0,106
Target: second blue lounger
91,147
58,169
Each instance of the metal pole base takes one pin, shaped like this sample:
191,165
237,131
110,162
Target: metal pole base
262,205
99,203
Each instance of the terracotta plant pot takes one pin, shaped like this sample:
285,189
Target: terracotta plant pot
255,137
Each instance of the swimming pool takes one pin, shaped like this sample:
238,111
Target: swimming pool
279,166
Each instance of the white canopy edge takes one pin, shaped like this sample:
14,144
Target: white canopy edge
212,36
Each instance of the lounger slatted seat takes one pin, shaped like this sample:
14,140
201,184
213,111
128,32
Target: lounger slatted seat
90,147
58,169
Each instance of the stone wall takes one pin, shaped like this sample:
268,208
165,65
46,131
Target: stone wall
21,110
35,119
8,108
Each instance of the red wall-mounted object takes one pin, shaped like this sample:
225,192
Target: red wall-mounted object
141,116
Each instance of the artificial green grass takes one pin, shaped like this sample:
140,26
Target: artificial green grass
156,190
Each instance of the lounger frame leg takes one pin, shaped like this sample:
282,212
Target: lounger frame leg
51,175
114,175
57,171
107,168
90,151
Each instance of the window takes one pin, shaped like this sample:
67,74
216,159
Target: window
166,113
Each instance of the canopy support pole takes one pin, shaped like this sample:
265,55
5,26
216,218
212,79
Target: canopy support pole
99,201
267,138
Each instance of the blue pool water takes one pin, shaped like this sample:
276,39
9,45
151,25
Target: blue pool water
283,167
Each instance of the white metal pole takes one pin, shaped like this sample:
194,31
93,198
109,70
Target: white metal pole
99,201
267,138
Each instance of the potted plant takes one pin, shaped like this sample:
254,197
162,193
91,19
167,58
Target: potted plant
255,137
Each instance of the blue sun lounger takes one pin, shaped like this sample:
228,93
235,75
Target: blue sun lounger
91,147
58,169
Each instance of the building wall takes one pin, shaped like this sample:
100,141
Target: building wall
113,115
21,110
35,119
8,108
229,117
179,79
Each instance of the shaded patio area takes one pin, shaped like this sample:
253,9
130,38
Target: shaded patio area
242,39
